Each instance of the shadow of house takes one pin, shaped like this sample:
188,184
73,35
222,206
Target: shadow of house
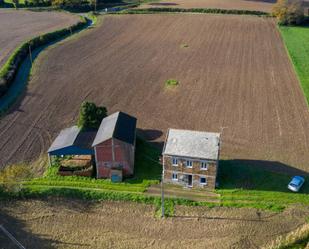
258,175
147,162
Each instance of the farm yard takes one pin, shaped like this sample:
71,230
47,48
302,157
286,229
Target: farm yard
19,26
249,87
40,224
259,5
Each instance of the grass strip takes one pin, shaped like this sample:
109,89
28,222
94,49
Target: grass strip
296,40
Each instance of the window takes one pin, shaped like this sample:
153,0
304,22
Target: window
175,177
175,161
203,180
204,166
189,164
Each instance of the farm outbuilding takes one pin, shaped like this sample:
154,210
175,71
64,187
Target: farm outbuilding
111,148
114,146
72,141
75,148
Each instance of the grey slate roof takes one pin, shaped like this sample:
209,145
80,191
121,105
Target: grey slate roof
73,137
118,125
192,144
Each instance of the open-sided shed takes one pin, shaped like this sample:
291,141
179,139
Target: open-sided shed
72,141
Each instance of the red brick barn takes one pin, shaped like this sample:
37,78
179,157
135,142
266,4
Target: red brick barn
114,146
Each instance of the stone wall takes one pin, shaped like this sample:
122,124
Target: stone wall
195,171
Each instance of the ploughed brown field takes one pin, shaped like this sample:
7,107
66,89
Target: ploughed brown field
18,26
260,5
64,223
233,72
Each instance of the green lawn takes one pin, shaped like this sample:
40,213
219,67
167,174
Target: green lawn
147,172
297,42
243,184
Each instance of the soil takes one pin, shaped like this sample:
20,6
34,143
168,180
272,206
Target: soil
17,26
234,74
65,223
260,5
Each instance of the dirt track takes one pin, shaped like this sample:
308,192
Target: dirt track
260,5
59,223
19,26
234,73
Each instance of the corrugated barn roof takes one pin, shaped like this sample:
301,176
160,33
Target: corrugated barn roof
73,137
118,125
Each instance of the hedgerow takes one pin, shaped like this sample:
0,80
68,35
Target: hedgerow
194,10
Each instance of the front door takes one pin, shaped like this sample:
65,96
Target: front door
189,180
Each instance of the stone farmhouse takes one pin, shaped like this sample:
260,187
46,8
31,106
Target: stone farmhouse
191,158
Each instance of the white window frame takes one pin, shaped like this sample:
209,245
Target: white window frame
176,159
190,162
203,183
175,174
204,163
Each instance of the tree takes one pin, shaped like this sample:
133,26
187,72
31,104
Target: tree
289,12
74,4
15,2
90,116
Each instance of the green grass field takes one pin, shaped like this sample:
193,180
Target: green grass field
297,42
244,184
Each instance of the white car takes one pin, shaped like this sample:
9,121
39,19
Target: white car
296,183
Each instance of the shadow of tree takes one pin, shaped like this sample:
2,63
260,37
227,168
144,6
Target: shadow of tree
149,134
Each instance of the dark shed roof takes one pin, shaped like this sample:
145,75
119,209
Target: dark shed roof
118,125
72,141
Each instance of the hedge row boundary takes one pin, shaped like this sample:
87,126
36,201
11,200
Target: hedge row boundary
195,10
9,70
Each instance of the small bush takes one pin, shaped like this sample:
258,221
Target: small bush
184,45
12,176
289,12
172,82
